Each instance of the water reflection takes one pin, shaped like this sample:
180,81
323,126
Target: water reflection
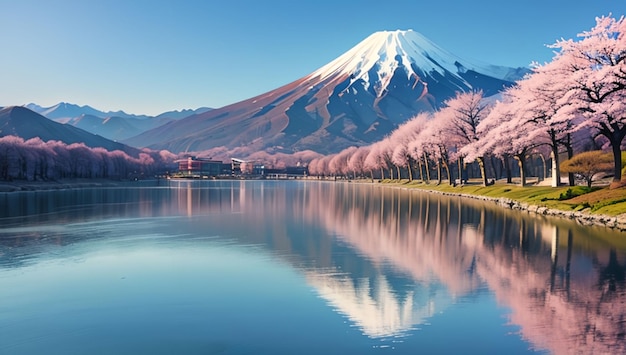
376,307
387,259
564,283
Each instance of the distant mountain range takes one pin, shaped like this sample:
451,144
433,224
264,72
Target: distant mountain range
114,125
23,122
356,99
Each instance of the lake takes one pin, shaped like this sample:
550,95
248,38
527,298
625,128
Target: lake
300,267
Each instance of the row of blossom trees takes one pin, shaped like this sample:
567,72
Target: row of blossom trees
34,159
573,103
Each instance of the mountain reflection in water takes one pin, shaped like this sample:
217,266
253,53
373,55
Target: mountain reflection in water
564,283
388,259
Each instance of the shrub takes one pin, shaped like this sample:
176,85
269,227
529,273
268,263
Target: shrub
588,164
576,191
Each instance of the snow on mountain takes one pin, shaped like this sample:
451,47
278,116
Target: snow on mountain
376,59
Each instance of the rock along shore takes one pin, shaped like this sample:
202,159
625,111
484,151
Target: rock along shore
614,222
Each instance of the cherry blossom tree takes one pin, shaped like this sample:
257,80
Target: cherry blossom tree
594,79
356,162
502,135
538,101
339,163
334,165
35,159
461,117
11,157
376,158
61,159
322,165
386,151
418,148
313,167
402,137
41,158
435,143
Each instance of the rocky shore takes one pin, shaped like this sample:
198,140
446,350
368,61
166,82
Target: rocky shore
615,222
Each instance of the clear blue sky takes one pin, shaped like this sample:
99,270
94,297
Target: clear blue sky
150,56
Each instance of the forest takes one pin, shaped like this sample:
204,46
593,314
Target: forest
34,159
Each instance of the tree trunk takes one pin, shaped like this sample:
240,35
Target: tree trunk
493,167
570,155
427,168
439,172
521,162
545,169
507,169
617,159
419,165
556,169
447,167
410,169
399,176
483,171
460,161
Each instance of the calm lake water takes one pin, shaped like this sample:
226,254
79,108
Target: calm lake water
269,267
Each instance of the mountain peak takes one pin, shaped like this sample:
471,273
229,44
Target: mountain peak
396,34
379,56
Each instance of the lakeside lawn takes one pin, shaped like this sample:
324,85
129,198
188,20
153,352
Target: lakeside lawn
597,200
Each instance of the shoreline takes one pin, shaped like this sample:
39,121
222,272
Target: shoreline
583,218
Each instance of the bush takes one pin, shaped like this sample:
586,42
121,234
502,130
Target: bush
576,191
588,164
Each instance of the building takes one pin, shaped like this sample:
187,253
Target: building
199,167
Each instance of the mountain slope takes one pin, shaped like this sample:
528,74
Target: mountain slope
356,99
22,122
113,128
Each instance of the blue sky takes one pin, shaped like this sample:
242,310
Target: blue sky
150,56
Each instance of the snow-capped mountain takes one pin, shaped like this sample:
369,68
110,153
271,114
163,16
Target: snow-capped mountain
356,99
114,125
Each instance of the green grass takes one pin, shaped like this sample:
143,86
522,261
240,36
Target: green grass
598,200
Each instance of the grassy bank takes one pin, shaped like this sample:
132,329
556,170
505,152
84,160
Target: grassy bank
598,200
